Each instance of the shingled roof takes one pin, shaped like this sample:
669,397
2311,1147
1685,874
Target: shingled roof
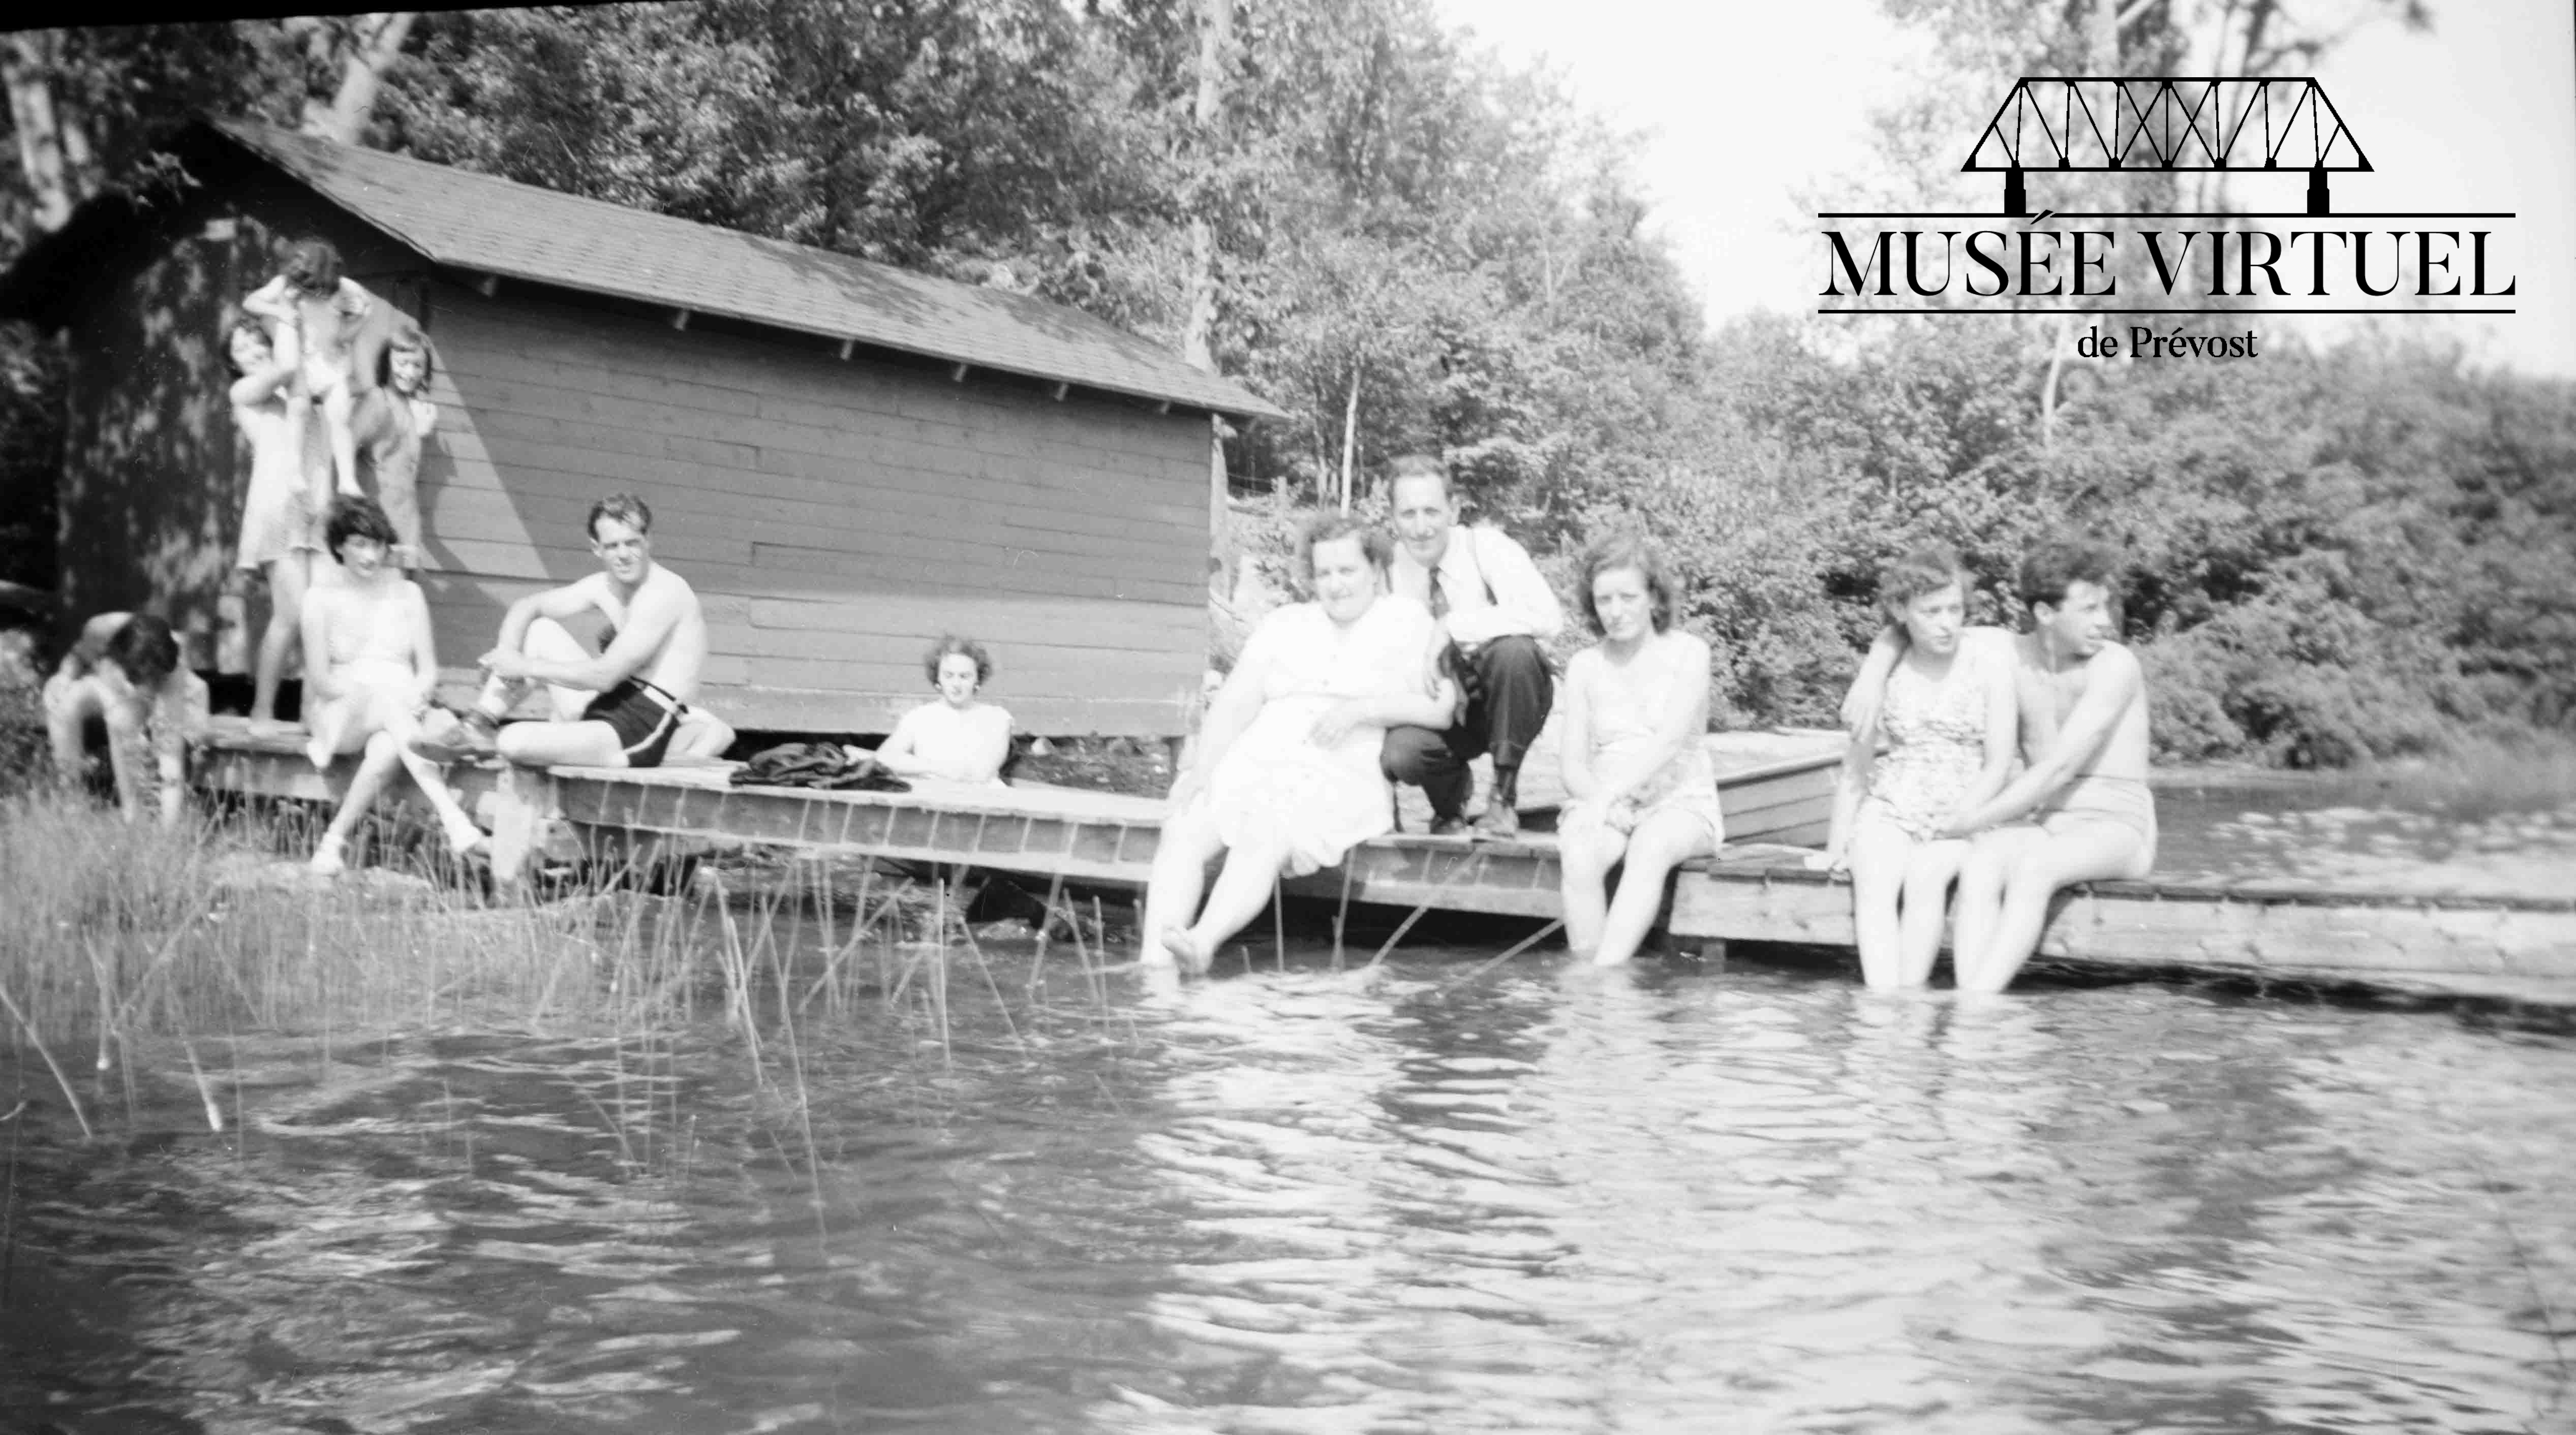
489,225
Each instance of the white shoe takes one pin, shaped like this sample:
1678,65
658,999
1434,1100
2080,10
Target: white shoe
327,859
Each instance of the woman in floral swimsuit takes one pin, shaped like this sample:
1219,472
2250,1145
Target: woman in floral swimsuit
1948,719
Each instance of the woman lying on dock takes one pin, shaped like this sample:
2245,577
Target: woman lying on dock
1946,710
1635,709
955,737
369,670
1286,776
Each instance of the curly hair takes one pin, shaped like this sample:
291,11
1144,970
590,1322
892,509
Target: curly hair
1628,550
245,324
1332,528
1924,568
950,643
2049,569
356,516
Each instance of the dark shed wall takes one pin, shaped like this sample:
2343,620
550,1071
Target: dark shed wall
153,471
834,515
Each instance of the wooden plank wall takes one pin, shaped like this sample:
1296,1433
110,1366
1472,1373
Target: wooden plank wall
834,516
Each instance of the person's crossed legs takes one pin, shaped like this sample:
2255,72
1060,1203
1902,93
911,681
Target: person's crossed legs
568,737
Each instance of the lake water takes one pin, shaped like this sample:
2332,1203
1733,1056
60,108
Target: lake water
1426,1198
1305,1200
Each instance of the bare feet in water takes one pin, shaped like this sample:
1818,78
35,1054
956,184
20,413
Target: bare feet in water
1186,949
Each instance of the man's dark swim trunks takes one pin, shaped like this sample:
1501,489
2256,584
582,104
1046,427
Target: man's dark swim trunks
645,718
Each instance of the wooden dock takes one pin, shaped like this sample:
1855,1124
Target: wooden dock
1775,790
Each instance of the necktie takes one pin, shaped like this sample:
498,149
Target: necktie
1439,597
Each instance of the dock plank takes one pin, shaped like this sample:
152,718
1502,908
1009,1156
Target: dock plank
2518,948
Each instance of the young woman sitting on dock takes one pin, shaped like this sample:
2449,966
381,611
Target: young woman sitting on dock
369,670
1286,775
954,738
1947,714
1635,712
289,486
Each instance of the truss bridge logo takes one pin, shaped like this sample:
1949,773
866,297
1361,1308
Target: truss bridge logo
2161,195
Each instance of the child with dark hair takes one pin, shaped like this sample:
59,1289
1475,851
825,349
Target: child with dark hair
125,672
369,670
954,737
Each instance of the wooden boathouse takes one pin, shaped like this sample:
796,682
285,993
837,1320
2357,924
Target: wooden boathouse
845,459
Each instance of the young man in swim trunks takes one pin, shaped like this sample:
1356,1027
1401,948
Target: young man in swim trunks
2081,811
625,706
125,671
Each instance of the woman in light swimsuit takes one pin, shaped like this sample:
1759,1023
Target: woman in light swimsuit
1947,712
369,670
1635,717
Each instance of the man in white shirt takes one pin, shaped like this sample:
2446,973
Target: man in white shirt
1495,607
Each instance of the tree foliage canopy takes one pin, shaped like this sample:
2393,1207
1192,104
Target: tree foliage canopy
1413,246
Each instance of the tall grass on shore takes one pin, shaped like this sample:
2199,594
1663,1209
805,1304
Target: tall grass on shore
120,942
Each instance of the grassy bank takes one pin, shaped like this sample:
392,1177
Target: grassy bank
122,946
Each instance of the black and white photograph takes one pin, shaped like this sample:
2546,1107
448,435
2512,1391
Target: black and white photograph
1289,717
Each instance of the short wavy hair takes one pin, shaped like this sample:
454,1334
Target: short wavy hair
626,508
1924,568
2048,570
1628,550
356,516
1332,528
950,643
1416,465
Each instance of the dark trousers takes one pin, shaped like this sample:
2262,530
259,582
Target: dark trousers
1512,691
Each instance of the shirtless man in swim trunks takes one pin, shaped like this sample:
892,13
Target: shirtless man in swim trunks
2081,811
626,706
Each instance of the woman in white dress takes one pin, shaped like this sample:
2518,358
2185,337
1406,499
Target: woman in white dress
282,513
956,738
1286,776
369,670
1635,713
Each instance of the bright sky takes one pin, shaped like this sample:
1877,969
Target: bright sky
1747,106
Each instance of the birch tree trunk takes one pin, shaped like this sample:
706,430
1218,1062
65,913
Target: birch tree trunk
27,64
377,41
1216,28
